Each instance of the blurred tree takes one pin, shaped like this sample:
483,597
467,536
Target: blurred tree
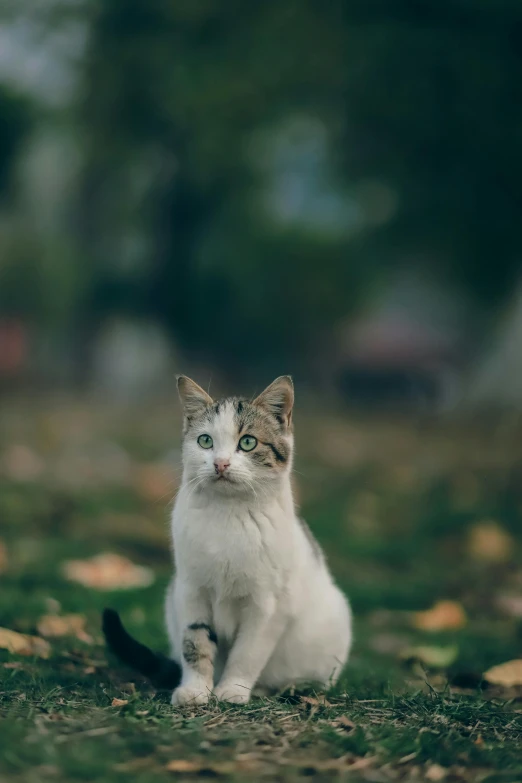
421,102
16,116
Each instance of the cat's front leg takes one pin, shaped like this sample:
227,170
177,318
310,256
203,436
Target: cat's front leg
260,629
198,649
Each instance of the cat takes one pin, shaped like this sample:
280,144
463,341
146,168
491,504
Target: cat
252,604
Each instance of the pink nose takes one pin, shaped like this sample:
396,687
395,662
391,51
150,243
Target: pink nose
221,466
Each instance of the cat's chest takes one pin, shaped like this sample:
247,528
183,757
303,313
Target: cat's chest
233,554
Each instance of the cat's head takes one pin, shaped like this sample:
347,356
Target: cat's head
236,446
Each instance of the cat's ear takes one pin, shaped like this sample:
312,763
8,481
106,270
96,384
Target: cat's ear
193,398
278,399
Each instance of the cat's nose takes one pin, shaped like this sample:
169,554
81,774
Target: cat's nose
221,465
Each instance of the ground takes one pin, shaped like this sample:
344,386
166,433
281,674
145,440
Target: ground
410,513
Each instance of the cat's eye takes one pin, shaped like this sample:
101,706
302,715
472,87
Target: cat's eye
247,443
205,441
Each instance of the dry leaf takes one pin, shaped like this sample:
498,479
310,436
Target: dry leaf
208,769
436,772
12,665
3,557
65,625
108,571
310,701
506,674
490,542
510,604
119,702
342,722
444,616
21,644
434,657
181,765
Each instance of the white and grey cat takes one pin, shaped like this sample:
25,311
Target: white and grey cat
252,603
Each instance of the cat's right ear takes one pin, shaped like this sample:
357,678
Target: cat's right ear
193,398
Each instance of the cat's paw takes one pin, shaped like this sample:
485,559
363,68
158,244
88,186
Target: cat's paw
233,692
188,694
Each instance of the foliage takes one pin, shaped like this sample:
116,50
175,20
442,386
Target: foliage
416,111
419,100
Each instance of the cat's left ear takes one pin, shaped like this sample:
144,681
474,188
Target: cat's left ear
193,398
278,399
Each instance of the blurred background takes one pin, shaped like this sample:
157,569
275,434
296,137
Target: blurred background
237,190
327,189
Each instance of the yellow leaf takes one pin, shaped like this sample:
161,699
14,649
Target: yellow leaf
506,674
181,765
225,768
434,657
343,722
108,571
64,625
310,701
21,644
488,541
444,616
435,772
119,702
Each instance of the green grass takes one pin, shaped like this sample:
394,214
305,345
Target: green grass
392,502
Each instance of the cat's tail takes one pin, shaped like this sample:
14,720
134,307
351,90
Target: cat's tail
160,670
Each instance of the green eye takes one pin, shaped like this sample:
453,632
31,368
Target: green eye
247,443
205,441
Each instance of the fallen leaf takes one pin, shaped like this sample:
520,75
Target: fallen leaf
343,763
3,557
108,571
510,604
21,644
488,541
119,702
436,772
208,769
64,625
443,616
310,701
343,722
507,674
181,765
12,665
434,657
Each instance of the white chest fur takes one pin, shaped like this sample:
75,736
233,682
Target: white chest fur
234,549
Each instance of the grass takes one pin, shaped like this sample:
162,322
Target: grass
396,505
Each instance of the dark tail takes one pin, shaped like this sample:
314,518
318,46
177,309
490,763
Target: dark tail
160,670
